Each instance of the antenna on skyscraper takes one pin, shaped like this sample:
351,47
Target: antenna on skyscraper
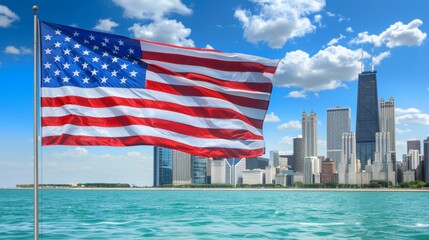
372,57
361,60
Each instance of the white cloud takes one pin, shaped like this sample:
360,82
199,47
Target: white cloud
402,131
149,9
396,35
286,140
134,154
316,94
271,118
277,21
293,124
17,51
208,46
349,29
335,40
297,94
7,16
327,69
168,31
105,25
77,152
318,19
330,14
411,116
380,57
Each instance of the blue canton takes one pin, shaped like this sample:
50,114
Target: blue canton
87,59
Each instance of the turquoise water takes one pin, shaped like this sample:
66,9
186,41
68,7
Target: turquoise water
82,214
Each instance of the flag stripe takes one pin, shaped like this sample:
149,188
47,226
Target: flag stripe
126,120
107,102
72,140
207,62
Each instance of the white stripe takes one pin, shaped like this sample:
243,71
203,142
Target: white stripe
231,57
182,81
129,131
247,77
200,122
100,92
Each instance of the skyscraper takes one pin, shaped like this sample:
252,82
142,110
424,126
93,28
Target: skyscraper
299,154
309,133
338,122
413,145
367,117
387,123
426,158
162,166
181,168
199,169
274,158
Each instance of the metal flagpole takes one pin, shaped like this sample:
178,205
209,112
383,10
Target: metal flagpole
36,137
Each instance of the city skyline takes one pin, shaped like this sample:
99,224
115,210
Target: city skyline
320,46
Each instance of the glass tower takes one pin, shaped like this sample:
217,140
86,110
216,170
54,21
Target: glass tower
367,118
338,122
199,169
162,166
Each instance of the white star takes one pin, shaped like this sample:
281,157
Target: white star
94,72
104,66
115,59
106,39
115,52
86,80
58,32
66,52
47,79
48,51
133,73
77,45
131,51
57,58
103,79
86,52
91,37
134,62
85,41
76,59
75,34
116,48
114,73
66,65
57,44
95,47
95,59
76,73
67,39
85,65
123,80
105,54
103,44
48,37
47,65
66,79
124,66
121,43
57,72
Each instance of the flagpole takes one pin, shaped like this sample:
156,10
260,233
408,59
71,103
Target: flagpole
36,137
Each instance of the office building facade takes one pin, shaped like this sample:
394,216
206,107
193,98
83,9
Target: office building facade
163,166
388,123
199,169
309,134
413,145
338,122
426,158
299,154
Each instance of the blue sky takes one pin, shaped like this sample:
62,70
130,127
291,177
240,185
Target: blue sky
318,41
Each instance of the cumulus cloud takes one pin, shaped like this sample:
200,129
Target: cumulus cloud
293,124
402,131
277,21
77,152
318,19
327,69
286,140
149,9
168,31
349,29
297,94
7,16
17,51
134,154
381,56
330,14
271,118
105,25
208,46
411,116
335,40
398,34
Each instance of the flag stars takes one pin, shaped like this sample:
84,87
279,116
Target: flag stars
85,80
123,80
124,66
66,66
104,66
66,52
103,44
57,44
94,72
121,43
57,58
57,32
48,51
66,79
116,48
76,59
114,73
106,39
47,65
77,45
47,79
75,34
85,65
95,59
133,73
57,72
76,73
48,37
115,59
103,80
86,52
105,54
95,47
86,41
91,37
131,51
67,39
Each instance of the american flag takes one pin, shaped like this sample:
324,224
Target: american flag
109,90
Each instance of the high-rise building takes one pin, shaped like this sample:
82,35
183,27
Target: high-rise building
309,134
367,117
218,170
348,166
234,170
413,144
338,122
299,154
328,174
413,159
308,169
181,168
199,169
426,158
388,124
274,158
162,166
382,168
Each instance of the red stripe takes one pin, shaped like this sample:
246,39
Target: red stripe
204,92
265,87
120,121
205,112
175,46
207,62
72,140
